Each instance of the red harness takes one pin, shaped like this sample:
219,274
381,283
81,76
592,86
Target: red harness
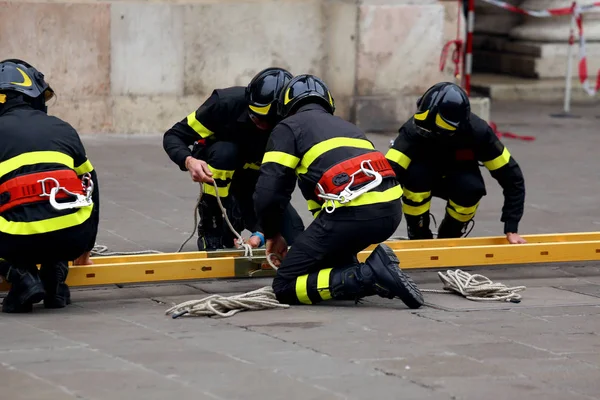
27,189
336,178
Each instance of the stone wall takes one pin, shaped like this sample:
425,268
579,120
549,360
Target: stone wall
140,66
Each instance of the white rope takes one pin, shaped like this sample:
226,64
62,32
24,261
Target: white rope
476,287
260,299
101,250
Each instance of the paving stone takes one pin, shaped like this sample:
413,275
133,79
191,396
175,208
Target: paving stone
476,388
485,352
589,290
23,386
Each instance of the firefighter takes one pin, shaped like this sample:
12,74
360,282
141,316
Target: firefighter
229,133
49,198
437,153
350,189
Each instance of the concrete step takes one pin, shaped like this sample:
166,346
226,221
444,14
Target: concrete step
507,87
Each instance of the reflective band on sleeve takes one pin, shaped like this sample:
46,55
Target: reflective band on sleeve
279,157
84,168
398,157
197,126
499,161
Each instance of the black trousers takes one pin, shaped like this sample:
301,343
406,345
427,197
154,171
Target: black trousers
461,188
330,241
236,181
47,249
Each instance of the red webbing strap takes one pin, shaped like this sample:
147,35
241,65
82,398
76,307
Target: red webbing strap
336,178
26,189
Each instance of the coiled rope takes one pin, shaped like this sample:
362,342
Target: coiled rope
476,287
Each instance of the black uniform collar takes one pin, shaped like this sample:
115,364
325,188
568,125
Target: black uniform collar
244,117
311,107
16,102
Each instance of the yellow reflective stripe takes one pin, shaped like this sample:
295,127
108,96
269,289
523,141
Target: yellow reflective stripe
197,126
417,197
422,116
210,189
313,205
443,124
279,157
460,217
222,174
46,225
371,198
398,157
302,289
261,110
464,210
323,147
499,161
252,166
35,157
84,168
416,210
323,283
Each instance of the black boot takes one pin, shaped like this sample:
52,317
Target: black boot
452,228
53,277
379,275
210,225
418,227
26,289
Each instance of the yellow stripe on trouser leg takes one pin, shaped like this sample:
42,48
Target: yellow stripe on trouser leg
416,210
460,213
302,289
323,283
416,197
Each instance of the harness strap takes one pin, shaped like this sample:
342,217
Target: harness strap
36,187
336,178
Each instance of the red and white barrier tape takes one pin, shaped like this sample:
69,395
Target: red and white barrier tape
575,10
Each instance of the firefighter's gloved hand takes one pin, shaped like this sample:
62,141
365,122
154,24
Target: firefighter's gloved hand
277,245
515,238
256,240
199,170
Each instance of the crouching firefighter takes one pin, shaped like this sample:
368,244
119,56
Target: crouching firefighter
437,153
350,189
49,199
229,132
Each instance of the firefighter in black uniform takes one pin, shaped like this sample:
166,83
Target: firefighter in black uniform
49,199
437,153
350,189
229,133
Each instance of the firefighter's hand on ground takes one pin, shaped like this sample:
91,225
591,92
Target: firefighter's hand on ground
199,170
277,245
83,259
515,238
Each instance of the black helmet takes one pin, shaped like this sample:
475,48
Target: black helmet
19,76
301,90
264,90
443,110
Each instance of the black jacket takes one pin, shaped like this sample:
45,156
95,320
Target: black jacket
304,146
32,141
477,143
222,117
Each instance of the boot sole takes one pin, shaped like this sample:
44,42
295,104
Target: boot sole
409,293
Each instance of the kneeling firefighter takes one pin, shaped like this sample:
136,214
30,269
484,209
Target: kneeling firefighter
350,189
229,132
437,153
49,199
